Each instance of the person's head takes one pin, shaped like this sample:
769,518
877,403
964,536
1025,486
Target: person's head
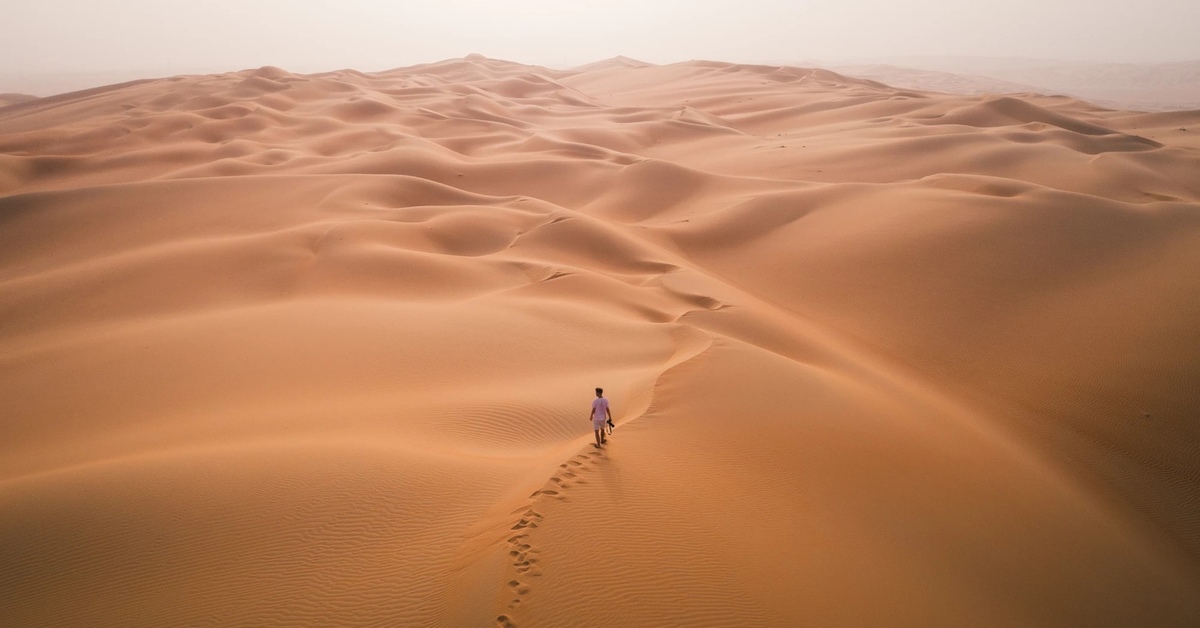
599,392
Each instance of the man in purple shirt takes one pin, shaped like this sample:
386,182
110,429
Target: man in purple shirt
599,415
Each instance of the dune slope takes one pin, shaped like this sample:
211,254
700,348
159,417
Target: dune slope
283,349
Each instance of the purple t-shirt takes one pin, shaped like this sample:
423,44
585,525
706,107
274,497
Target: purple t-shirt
599,406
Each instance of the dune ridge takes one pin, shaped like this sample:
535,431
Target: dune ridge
316,349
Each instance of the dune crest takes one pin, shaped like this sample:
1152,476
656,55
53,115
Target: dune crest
316,350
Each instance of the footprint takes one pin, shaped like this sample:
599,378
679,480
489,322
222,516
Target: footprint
530,520
522,553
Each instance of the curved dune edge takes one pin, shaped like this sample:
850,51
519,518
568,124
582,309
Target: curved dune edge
289,349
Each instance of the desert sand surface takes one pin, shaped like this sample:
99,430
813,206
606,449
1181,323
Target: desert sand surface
318,350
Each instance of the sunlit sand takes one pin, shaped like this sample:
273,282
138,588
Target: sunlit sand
318,350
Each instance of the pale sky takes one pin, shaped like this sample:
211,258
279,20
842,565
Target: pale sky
49,36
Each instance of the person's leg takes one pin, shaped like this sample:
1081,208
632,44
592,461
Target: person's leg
603,435
598,441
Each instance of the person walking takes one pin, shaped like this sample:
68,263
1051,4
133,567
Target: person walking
600,415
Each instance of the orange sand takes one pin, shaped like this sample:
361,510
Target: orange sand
318,350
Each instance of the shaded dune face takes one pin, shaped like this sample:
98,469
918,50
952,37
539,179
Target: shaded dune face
283,349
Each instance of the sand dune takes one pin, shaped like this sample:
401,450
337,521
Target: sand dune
1143,86
935,81
13,99
285,349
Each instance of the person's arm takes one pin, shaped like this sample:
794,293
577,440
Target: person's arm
608,411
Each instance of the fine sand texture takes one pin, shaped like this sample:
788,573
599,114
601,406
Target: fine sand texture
318,350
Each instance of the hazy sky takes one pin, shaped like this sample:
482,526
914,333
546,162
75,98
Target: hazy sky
41,36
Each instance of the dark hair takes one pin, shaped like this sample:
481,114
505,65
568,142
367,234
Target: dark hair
599,391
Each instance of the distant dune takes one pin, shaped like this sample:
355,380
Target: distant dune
934,81
1142,86
12,99
282,349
